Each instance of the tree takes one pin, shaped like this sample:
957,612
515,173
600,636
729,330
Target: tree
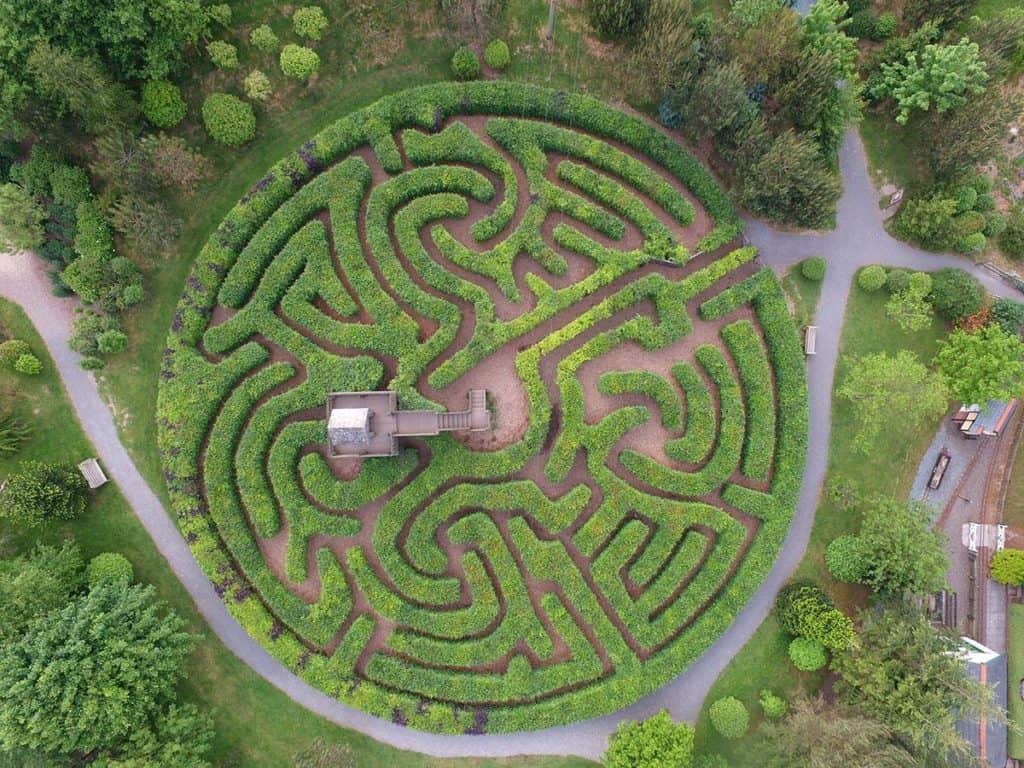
90,675
653,743
1009,314
909,310
109,566
309,22
844,559
823,32
880,384
223,54
257,86
807,655
928,221
173,163
729,717
900,551
33,585
228,119
264,39
717,100
21,218
955,294
300,63
39,491
805,611
772,705
663,46
1008,566
983,365
791,183
905,674
179,737
147,224
821,735
961,139
942,76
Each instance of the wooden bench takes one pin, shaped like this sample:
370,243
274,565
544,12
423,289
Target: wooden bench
810,339
93,473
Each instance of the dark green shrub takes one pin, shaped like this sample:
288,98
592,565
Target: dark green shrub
985,202
813,268
897,280
955,294
862,25
870,279
807,655
1011,241
973,243
1009,314
805,611
162,103
844,559
497,55
994,224
299,62
885,26
615,19
228,119
465,64
37,491
69,185
729,717
966,197
109,566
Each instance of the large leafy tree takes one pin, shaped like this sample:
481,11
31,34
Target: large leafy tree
93,674
821,735
35,584
907,675
38,491
21,218
879,385
899,551
962,138
940,77
983,365
653,743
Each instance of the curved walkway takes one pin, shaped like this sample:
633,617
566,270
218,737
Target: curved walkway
859,239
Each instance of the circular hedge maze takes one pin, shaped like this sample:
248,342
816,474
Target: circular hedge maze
644,376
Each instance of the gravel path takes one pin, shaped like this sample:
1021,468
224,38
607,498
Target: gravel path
858,239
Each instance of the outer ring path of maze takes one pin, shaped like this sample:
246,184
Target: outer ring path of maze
647,385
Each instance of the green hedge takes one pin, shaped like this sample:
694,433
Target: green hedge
319,274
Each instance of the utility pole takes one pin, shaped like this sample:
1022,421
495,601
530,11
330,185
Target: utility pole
549,35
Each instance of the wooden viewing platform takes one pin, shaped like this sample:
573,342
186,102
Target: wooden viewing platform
368,424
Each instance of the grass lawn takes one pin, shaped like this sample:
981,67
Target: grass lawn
803,294
243,704
891,151
1014,703
1013,509
888,471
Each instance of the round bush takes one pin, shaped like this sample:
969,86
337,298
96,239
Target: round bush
30,365
223,54
871,278
813,268
985,203
70,186
299,62
1007,566
897,281
885,26
657,741
862,25
257,86
955,294
162,103
974,243
966,197
772,705
109,566
228,119
309,22
994,224
807,655
729,717
1009,314
11,350
1011,241
497,55
844,559
465,64
264,39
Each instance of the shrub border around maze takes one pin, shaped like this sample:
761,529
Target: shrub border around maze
180,433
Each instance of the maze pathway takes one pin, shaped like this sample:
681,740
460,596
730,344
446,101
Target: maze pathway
644,375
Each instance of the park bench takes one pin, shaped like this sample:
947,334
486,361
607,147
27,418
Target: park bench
810,339
93,473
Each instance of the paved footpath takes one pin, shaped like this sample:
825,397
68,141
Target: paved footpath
859,239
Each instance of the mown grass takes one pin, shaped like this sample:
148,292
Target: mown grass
256,724
803,293
1014,703
887,471
893,151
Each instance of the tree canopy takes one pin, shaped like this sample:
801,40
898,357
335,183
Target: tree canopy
35,584
900,552
657,742
982,365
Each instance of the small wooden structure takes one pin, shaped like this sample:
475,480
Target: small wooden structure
810,339
367,424
93,473
975,421
939,470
